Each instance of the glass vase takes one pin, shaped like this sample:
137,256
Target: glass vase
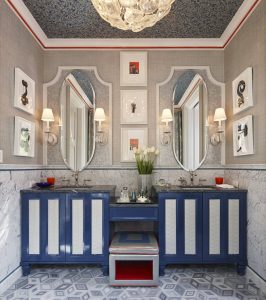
145,183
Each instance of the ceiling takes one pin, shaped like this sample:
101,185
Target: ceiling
187,19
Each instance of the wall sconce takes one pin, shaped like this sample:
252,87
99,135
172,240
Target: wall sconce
48,116
166,134
99,116
219,116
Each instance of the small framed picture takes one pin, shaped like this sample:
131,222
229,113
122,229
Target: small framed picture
132,138
24,94
243,136
242,91
133,68
24,137
133,106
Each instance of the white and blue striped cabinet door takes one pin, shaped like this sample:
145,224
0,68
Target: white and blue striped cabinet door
86,229
43,231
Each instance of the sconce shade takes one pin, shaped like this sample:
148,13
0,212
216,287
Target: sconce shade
167,115
99,114
219,114
47,115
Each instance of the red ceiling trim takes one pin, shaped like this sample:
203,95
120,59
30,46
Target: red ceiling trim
25,23
241,23
131,47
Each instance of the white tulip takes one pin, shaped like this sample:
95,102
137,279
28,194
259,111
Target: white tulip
135,150
145,152
157,152
152,149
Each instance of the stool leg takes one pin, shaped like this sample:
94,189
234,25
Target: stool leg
105,269
161,270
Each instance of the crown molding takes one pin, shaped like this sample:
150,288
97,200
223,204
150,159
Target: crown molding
46,43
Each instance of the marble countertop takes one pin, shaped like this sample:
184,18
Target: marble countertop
60,189
189,189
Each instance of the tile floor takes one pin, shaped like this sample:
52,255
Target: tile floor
179,282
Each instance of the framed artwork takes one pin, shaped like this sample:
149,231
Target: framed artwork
242,91
24,94
133,68
24,137
243,136
132,138
133,106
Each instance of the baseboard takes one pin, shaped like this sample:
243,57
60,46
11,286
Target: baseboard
260,283
10,279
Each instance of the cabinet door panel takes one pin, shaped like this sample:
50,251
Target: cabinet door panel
224,227
43,227
180,233
87,228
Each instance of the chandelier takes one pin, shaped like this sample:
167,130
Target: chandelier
132,15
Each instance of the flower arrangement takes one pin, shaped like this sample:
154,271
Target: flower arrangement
145,159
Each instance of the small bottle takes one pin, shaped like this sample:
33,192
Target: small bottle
133,196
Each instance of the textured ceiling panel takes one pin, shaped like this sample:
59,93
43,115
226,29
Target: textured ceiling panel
187,19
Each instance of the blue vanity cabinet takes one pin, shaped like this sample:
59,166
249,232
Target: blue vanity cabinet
64,227
203,227
87,229
180,228
224,228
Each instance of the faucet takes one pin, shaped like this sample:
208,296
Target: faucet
192,175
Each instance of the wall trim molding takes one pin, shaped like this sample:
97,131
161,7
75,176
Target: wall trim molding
46,43
46,85
162,83
12,167
10,279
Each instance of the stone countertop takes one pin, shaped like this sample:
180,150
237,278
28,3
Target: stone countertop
73,189
193,189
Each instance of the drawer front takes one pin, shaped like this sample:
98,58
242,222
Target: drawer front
133,213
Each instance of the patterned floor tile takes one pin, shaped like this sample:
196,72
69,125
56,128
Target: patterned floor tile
179,283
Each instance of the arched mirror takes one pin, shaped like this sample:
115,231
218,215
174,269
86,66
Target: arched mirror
190,107
77,105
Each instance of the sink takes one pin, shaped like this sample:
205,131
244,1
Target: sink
198,187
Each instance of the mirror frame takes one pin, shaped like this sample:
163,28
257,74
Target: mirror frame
196,77
211,78
108,85
64,84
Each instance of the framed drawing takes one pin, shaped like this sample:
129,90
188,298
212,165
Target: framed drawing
133,106
133,68
242,91
24,94
243,136
24,137
132,138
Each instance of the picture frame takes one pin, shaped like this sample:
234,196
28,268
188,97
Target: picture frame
132,138
133,107
133,68
24,137
243,136
24,92
242,91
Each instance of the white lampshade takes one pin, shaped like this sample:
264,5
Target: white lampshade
219,114
47,115
167,115
99,115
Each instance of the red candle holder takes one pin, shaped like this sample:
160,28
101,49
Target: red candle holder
219,180
51,180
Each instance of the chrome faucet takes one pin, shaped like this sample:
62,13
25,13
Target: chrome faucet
192,175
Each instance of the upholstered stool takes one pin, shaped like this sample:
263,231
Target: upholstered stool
134,259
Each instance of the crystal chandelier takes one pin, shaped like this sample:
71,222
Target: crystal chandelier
132,15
